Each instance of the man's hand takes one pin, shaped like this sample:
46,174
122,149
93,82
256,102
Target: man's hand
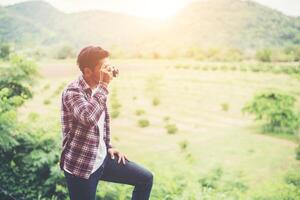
105,75
113,151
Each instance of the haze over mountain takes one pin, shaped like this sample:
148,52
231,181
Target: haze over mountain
215,23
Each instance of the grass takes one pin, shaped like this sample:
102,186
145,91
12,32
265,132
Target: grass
190,97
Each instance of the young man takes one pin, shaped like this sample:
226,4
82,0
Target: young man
87,153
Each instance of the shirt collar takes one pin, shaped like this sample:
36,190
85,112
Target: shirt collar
83,84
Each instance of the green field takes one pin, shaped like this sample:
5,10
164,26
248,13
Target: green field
215,145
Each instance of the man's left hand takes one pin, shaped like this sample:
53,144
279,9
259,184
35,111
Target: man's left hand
113,152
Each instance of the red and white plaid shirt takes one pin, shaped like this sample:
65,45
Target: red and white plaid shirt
80,113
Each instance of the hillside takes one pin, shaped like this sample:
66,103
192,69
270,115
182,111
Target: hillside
233,23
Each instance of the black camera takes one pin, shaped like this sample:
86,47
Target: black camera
114,70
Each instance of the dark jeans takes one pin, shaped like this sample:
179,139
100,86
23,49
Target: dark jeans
131,173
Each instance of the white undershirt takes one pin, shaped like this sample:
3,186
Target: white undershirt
101,151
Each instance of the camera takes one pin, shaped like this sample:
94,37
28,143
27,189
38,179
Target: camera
114,70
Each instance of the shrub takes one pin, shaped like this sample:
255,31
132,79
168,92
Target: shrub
115,104
5,51
166,118
115,113
298,152
29,168
65,51
33,116
225,106
293,178
155,101
211,180
224,68
46,86
276,110
183,145
140,112
143,123
171,128
47,102
264,55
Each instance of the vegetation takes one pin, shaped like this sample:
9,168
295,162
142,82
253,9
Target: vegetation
143,123
221,58
140,112
171,128
277,110
5,51
225,106
29,159
155,101
65,51
232,33
115,104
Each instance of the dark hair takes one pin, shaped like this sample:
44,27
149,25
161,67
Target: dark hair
90,56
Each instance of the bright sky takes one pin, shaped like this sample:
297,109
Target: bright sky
151,8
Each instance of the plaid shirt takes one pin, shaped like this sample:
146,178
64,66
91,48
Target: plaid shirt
80,113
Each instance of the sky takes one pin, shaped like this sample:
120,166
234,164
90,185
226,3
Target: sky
160,9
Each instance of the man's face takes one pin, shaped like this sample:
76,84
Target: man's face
95,75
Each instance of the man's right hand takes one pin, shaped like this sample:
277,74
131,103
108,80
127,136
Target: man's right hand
105,76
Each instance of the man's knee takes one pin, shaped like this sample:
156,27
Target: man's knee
149,177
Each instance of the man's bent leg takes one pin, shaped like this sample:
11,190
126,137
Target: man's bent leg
131,173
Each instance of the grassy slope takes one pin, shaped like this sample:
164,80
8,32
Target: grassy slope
192,99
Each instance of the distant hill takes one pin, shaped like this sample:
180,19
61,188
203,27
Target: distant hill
214,23
238,23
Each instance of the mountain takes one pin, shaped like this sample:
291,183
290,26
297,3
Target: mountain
237,23
215,23
46,25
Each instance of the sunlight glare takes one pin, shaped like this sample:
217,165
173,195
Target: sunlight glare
159,9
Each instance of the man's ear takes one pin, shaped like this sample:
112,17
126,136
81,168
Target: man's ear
87,71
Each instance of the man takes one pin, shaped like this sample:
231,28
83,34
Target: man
87,153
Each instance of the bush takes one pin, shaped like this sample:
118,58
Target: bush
143,123
276,110
183,145
47,102
29,168
293,177
115,104
171,128
225,106
155,101
264,55
140,112
115,113
212,179
166,118
298,152
65,51
33,116
5,51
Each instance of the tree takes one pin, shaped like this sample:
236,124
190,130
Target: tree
277,110
29,162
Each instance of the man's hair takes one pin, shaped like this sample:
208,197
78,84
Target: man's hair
90,56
